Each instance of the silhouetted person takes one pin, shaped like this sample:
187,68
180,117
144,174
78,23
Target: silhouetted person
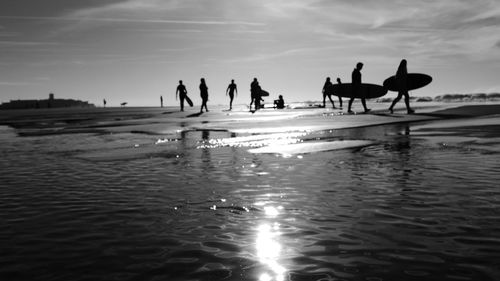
340,98
161,101
231,90
402,82
104,102
356,87
182,93
327,92
255,93
203,95
280,102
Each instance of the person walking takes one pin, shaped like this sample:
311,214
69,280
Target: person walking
231,91
327,92
203,95
340,98
402,83
356,88
181,92
255,94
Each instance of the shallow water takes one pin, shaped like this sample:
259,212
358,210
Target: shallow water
196,206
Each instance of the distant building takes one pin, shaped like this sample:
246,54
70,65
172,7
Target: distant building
51,102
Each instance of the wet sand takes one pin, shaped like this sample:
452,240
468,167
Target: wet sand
157,121
295,194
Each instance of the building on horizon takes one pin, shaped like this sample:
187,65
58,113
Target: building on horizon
51,102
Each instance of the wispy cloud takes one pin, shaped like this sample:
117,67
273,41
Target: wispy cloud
14,83
26,43
131,20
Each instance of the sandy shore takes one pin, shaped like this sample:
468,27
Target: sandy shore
168,121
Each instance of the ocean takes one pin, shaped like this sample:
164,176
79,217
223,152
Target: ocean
112,201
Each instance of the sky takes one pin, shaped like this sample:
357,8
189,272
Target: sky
135,51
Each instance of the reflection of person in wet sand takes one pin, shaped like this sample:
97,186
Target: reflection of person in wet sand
255,94
203,95
340,98
231,90
181,92
356,87
402,82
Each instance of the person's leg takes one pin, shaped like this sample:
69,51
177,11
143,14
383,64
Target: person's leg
396,100
330,97
350,105
340,102
407,102
363,102
181,98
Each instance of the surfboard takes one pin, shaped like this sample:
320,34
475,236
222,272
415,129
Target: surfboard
189,101
368,91
415,81
264,93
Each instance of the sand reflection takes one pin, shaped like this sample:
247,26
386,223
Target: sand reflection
269,247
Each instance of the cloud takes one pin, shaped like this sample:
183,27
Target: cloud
26,43
81,18
14,83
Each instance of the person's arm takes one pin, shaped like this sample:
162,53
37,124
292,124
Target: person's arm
227,90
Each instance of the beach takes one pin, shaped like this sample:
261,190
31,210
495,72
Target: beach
303,193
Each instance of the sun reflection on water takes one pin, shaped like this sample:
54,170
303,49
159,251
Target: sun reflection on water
269,247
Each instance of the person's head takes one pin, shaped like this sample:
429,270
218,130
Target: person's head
280,97
202,80
180,82
232,80
359,65
338,79
255,79
402,63
327,79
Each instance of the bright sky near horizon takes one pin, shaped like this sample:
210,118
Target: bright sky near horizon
136,50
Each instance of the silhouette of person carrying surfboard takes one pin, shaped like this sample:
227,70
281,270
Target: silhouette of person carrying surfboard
231,91
255,94
356,87
402,84
203,95
327,92
182,93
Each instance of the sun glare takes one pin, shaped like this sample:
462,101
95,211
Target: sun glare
268,251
